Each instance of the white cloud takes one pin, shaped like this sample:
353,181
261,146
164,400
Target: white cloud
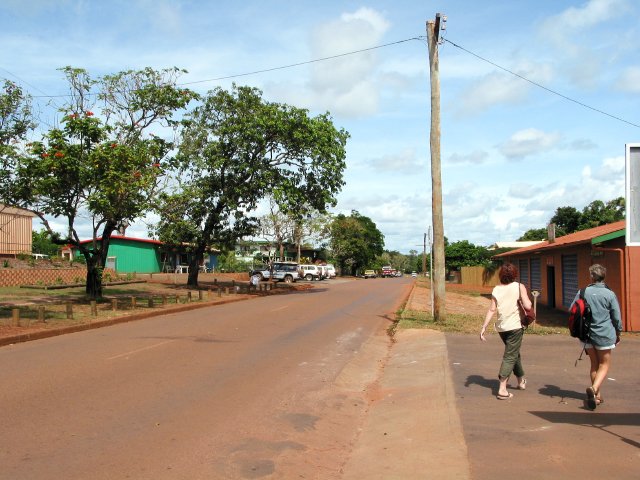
629,80
403,162
524,190
498,88
345,85
476,157
528,142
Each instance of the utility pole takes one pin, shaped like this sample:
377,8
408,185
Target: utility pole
424,255
438,278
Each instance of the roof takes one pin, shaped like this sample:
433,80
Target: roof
6,209
132,239
591,235
520,244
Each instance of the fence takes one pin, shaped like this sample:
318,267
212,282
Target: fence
479,276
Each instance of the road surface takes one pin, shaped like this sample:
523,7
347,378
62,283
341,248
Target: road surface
274,387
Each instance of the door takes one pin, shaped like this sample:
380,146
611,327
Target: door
551,286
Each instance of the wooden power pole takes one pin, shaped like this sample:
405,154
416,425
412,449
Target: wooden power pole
438,280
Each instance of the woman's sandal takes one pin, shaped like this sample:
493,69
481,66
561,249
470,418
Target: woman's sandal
504,397
522,385
591,398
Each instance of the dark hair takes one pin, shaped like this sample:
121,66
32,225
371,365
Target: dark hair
508,273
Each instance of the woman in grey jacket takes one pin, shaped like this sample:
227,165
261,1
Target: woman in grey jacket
606,325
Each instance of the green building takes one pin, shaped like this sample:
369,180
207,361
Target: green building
141,255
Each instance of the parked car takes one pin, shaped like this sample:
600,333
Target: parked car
414,274
262,271
324,271
369,274
332,270
287,272
311,272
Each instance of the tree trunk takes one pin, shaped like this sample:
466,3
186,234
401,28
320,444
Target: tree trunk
93,288
194,266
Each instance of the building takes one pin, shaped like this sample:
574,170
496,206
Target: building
558,268
16,226
140,255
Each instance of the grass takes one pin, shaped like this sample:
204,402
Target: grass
463,323
130,298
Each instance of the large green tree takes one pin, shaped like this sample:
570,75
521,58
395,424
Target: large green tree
16,121
235,149
102,167
464,253
355,242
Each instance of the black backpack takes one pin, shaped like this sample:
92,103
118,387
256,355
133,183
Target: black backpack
580,318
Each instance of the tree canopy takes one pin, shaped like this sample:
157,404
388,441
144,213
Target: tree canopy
235,149
569,219
103,166
355,242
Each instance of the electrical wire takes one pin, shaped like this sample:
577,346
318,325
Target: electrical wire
282,67
541,86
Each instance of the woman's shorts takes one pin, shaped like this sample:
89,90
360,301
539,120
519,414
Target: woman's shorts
599,347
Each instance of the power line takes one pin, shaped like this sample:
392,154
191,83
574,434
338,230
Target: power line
282,67
542,86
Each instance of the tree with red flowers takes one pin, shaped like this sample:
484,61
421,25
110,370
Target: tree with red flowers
103,166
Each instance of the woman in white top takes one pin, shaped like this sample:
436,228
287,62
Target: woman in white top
504,300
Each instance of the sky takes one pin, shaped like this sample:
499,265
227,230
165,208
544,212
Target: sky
538,97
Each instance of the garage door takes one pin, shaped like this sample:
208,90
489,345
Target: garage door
536,274
569,279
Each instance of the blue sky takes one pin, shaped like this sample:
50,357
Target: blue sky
512,152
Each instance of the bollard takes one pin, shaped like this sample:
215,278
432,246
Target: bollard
177,299
41,314
69,311
164,300
133,303
15,316
94,308
219,292
151,304
114,304
226,290
199,294
188,296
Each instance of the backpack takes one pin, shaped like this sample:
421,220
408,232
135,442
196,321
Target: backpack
580,318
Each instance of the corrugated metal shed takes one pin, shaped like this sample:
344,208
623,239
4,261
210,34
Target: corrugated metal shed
16,227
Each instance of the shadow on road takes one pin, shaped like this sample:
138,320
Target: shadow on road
595,420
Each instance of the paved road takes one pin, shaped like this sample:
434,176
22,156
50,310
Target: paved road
276,387
545,432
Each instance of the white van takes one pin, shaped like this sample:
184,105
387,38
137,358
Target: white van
311,272
332,270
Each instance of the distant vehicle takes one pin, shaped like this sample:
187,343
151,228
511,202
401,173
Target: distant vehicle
369,274
414,274
324,272
287,272
332,270
398,273
388,272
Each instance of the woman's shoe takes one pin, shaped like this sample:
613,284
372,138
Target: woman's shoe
591,398
504,397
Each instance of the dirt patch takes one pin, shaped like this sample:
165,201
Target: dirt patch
459,299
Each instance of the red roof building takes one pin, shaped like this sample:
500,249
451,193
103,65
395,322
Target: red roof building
559,268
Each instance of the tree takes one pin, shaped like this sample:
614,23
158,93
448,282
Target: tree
598,213
236,149
464,253
535,234
567,220
105,168
16,121
43,243
355,242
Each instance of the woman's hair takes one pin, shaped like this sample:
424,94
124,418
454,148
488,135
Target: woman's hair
597,272
508,273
